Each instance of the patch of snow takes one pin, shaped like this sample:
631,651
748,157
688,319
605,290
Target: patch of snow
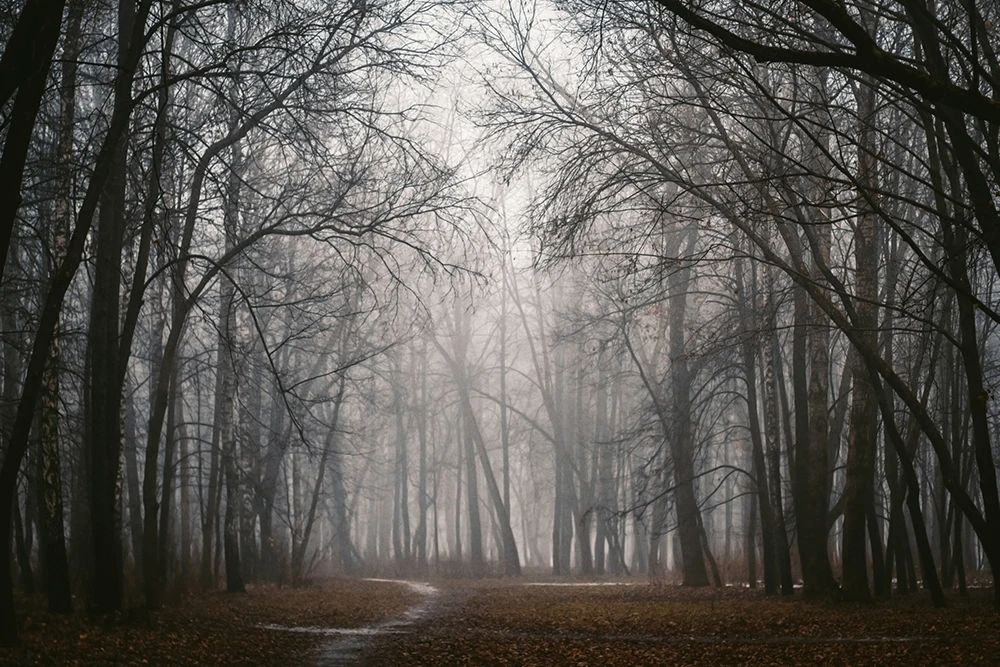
316,630
415,586
389,626
582,583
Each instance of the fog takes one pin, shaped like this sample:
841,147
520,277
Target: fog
426,289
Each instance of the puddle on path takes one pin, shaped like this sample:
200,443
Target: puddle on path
349,644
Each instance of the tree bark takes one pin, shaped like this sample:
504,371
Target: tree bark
859,498
106,382
25,66
52,543
682,433
760,486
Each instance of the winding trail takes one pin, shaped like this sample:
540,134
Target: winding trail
346,646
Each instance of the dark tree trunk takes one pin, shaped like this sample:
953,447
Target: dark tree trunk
17,443
166,540
472,491
25,65
250,453
760,501
583,502
682,428
105,384
11,324
809,487
420,539
271,464
329,449
341,526
52,543
227,438
132,481
781,546
859,497
23,553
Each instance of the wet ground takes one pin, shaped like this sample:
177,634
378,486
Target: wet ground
349,646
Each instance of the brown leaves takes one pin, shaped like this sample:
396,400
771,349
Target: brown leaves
213,629
494,623
646,625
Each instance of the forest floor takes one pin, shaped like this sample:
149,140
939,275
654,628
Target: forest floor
497,624
489,622
210,630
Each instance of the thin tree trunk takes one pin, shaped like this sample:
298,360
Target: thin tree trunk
760,501
132,480
167,541
329,447
475,444
250,451
421,535
781,546
185,502
472,493
211,511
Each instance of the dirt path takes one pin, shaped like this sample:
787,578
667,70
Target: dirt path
349,648
348,645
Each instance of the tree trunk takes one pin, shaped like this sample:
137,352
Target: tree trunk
472,492
33,40
859,496
582,501
132,480
342,525
210,515
401,510
11,324
264,499
106,377
17,443
329,447
166,540
781,546
761,501
602,469
475,444
420,539
459,449
250,451
52,544
23,553
682,433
